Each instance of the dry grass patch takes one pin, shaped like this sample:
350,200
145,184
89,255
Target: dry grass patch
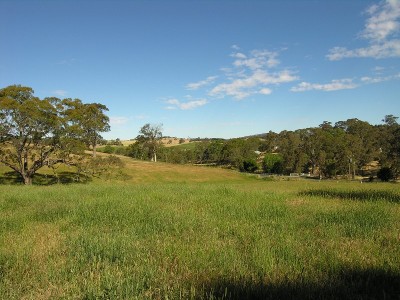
148,172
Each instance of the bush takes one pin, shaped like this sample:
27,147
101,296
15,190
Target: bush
273,163
249,165
385,174
121,150
107,149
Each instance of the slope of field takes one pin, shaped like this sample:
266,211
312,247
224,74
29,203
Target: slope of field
149,172
183,232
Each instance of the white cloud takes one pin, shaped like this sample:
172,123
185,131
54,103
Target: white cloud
258,59
176,104
173,101
243,87
370,80
249,74
192,104
383,21
380,31
141,117
380,50
118,121
343,84
334,85
378,69
60,93
265,91
239,55
199,84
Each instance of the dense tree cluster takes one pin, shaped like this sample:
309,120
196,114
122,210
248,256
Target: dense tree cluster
329,150
44,132
344,148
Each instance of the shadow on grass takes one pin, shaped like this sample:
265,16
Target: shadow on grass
348,284
354,195
44,179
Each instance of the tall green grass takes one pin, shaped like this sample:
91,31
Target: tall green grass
250,240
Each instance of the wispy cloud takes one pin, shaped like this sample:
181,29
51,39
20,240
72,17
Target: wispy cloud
118,121
60,93
254,83
380,50
251,74
141,117
381,29
188,105
383,20
334,85
199,84
265,91
258,59
378,79
343,84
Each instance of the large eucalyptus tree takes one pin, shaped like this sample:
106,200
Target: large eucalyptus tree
38,132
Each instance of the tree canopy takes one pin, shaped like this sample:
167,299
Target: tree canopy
38,132
148,142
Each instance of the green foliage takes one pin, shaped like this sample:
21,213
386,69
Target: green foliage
148,142
118,150
101,167
116,142
249,165
86,121
107,149
273,163
44,132
327,150
176,154
385,174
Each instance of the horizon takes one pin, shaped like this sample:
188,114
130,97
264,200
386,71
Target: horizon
223,69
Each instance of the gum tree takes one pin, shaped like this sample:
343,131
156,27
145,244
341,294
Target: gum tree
30,131
87,121
42,132
150,138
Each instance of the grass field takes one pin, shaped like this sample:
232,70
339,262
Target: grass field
185,232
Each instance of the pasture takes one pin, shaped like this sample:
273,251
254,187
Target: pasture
185,232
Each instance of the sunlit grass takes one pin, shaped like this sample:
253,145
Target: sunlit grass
168,235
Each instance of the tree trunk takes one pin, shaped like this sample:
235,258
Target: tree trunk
27,180
94,150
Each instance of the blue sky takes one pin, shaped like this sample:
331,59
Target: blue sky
209,68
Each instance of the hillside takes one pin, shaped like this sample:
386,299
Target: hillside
137,171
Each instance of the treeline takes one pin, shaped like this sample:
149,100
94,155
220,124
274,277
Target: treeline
329,150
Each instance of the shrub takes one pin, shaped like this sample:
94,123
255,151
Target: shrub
108,149
249,165
273,163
